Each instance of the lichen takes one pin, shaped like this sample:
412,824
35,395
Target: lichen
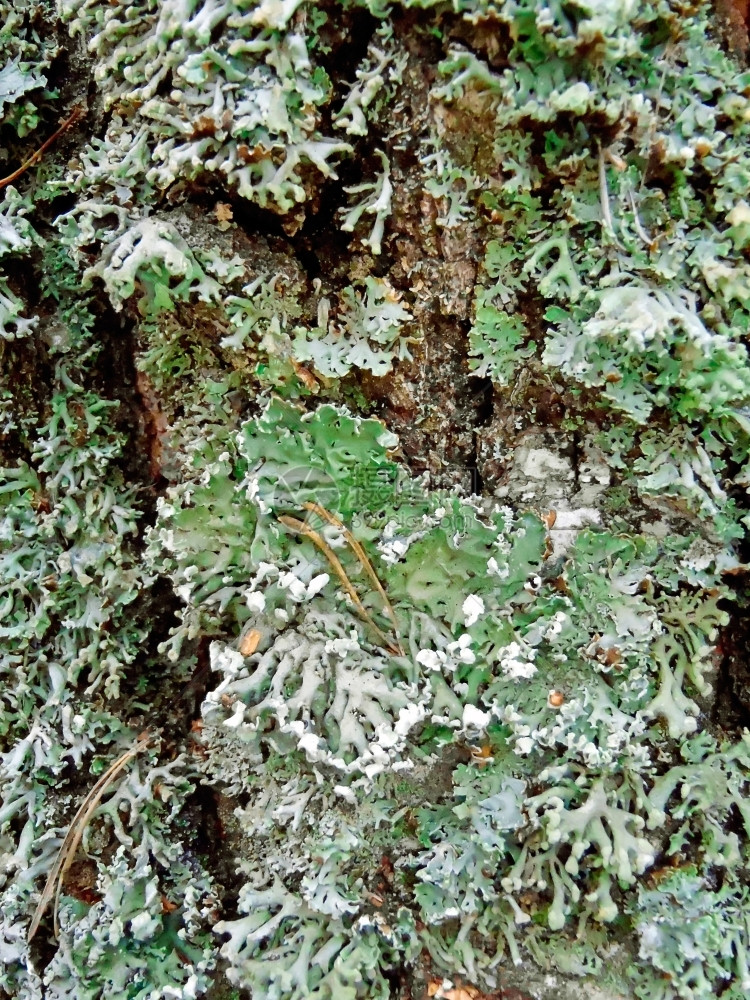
401,736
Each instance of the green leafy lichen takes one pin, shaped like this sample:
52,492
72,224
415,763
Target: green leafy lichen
489,766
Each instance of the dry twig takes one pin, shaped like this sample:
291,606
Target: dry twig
360,553
67,852
37,155
302,528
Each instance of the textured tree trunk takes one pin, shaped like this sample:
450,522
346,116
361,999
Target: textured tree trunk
375,431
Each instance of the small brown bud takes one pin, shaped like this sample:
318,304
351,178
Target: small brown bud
249,642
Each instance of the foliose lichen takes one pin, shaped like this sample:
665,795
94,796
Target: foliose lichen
443,734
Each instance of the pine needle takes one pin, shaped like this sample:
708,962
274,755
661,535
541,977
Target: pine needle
360,553
302,528
67,852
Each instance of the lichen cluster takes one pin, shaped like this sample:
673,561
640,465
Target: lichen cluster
464,736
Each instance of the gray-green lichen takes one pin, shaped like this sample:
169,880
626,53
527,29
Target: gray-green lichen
457,737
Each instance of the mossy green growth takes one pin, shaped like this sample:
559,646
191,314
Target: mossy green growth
26,51
637,270
574,674
504,755
694,936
